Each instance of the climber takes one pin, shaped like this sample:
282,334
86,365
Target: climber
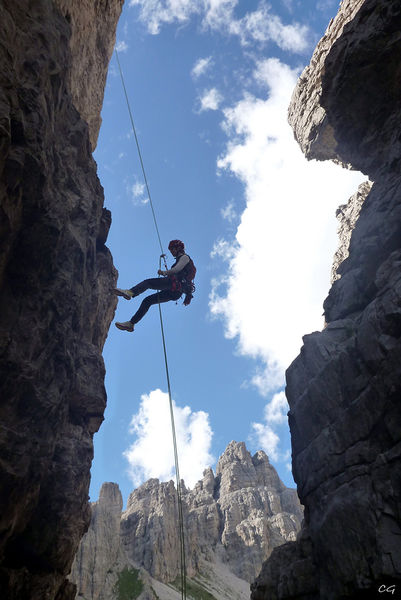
175,282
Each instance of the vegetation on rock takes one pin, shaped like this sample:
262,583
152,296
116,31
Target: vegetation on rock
194,590
128,586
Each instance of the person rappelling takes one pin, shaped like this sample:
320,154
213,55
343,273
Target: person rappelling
174,282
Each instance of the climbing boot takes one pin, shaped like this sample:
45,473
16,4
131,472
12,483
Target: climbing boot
127,294
125,326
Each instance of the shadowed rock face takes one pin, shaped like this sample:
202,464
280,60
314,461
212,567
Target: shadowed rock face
344,389
56,276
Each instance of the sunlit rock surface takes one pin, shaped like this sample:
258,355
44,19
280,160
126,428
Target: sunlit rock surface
347,215
344,389
232,522
101,547
56,276
307,116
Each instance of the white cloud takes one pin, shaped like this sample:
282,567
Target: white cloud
276,410
263,26
151,454
279,262
219,15
228,212
210,100
266,439
260,25
156,13
137,191
263,434
201,66
121,46
223,249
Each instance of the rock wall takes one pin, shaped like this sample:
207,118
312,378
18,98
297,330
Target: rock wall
234,518
245,510
344,388
56,276
347,215
100,549
93,26
306,114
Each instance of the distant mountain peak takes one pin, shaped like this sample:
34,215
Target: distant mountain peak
232,522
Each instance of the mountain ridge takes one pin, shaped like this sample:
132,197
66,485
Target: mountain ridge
233,519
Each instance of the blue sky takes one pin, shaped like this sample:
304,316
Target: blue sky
209,83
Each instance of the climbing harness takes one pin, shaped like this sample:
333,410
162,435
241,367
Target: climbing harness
183,573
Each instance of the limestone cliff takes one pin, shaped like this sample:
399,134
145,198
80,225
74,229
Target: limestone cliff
347,215
344,389
232,520
100,548
56,276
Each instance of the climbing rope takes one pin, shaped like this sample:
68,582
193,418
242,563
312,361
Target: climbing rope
183,574
177,468
140,158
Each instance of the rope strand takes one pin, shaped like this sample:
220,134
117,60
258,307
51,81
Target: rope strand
177,469
140,157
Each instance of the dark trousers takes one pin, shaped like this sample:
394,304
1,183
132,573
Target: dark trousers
164,295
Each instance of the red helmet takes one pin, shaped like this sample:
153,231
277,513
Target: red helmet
176,244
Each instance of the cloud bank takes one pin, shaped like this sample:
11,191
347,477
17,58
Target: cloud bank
151,454
201,66
263,434
258,26
278,265
210,100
